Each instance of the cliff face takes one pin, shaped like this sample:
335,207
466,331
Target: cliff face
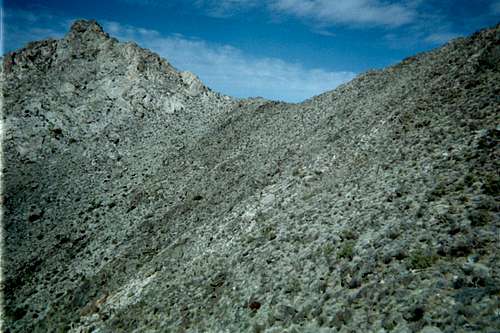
136,199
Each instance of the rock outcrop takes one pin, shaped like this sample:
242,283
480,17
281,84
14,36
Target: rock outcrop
136,199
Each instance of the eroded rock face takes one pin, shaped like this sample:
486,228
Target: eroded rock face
136,199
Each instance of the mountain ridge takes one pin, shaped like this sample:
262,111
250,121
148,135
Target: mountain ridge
136,199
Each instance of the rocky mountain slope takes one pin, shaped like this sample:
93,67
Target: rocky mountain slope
136,199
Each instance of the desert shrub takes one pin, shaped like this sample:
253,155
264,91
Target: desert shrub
421,260
346,250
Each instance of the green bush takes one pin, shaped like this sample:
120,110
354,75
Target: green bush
421,260
346,250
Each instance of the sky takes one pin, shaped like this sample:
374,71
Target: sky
285,50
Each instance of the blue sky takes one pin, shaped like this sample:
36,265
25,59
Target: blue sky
279,49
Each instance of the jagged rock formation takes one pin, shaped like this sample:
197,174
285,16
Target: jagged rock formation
137,200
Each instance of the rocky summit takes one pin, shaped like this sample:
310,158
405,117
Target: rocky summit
136,199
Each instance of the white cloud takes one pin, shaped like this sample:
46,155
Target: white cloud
222,67
27,16
22,27
212,8
322,12
228,70
441,37
226,8
495,7
349,12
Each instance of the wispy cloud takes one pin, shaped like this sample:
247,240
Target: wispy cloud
224,68
226,8
231,71
323,12
421,22
22,27
349,12
407,23
495,7
211,8
441,37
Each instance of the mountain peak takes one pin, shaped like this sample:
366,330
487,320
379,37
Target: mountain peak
82,26
86,30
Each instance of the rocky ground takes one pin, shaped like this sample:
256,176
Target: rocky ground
138,200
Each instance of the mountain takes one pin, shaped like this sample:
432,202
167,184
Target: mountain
136,199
